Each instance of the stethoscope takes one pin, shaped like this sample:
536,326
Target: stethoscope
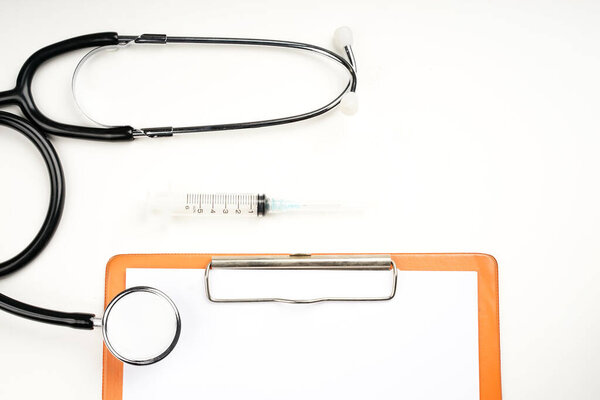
128,311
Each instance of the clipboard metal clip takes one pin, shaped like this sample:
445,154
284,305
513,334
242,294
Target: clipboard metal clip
303,262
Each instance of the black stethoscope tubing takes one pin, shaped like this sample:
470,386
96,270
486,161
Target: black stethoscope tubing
55,209
36,122
22,96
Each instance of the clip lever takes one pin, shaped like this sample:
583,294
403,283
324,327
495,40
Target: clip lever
304,262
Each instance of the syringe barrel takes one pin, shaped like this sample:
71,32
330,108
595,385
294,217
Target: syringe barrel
210,204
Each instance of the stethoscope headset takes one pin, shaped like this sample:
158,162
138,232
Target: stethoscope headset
125,317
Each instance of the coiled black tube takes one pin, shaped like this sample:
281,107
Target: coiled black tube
55,208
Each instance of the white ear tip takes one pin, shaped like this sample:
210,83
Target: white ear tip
343,37
349,103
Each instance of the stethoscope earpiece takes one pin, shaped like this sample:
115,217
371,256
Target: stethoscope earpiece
342,37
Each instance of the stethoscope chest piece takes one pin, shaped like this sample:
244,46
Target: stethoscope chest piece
141,325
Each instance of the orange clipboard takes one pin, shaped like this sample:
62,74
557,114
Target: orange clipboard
487,292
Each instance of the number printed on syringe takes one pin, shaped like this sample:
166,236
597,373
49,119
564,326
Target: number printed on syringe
222,204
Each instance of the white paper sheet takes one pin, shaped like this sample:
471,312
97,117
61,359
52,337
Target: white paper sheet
423,344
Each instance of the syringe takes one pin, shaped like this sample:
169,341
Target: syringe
226,204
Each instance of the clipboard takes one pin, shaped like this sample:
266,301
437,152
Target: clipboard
486,310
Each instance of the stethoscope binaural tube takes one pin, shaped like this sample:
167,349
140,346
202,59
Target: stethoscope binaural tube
22,95
342,38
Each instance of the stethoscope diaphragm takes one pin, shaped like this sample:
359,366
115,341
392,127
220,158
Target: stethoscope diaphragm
141,325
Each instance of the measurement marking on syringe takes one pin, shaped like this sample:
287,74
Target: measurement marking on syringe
220,204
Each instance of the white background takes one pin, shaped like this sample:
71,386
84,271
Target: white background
477,131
